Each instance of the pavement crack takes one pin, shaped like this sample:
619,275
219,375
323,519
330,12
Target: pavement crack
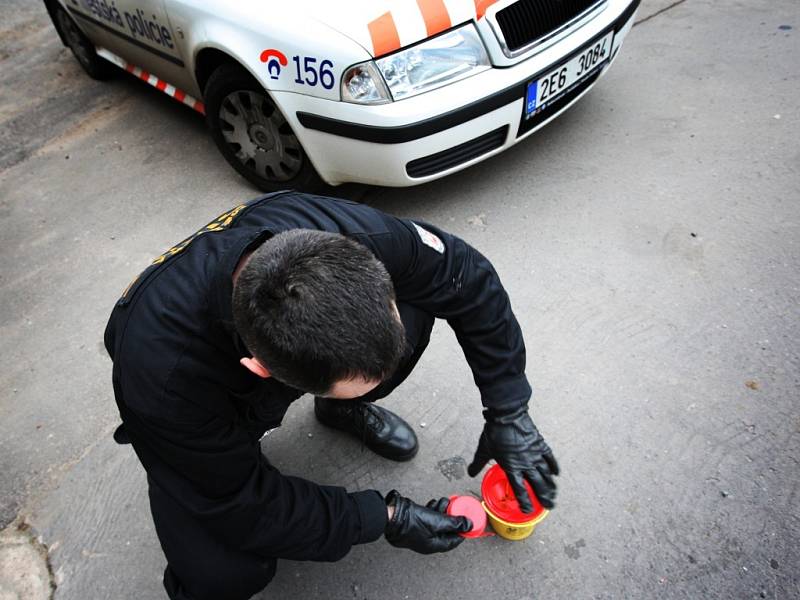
659,12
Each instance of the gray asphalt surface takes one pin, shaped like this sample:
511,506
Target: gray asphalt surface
649,240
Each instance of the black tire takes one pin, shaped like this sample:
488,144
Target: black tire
82,47
253,135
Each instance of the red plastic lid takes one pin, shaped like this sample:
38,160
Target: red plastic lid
467,506
499,497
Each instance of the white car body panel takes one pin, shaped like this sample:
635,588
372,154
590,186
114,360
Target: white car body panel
343,34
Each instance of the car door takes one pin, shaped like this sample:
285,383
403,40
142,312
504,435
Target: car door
140,32
91,19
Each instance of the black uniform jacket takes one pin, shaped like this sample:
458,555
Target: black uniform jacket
195,415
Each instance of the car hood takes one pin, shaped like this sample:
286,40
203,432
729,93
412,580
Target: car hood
383,26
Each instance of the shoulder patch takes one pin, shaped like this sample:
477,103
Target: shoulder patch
429,239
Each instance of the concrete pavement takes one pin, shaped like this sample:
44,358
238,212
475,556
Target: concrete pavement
649,240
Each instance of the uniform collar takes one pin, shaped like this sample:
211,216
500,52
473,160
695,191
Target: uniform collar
223,279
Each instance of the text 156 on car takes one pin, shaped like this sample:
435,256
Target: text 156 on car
388,93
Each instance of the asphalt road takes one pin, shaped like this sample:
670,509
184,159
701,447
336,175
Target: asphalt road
649,240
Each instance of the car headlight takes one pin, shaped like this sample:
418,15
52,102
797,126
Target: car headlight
433,63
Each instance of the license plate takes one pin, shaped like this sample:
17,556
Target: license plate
556,83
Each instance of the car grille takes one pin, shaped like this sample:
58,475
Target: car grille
446,159
527,21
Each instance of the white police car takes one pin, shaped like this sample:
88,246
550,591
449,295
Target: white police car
387,92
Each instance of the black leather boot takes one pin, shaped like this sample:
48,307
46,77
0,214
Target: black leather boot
380,430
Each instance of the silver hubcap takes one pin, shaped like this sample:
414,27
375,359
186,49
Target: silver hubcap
259,136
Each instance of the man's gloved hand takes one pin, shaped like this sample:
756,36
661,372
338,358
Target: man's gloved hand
513,441
423,529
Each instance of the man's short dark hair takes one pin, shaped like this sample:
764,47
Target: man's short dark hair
316,308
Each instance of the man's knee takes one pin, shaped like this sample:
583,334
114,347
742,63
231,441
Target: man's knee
220,583
201,567
418,325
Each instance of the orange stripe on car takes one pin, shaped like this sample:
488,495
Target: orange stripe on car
481,6
383,32
435,15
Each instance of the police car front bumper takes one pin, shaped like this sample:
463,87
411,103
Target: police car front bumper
440,132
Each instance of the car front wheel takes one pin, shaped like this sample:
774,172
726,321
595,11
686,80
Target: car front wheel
253,135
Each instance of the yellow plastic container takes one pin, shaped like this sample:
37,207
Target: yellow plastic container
513,531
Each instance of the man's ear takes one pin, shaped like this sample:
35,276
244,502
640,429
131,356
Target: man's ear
255,367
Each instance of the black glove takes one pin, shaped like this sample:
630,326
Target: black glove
513,441
423,529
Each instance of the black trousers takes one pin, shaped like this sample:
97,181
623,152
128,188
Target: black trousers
201,568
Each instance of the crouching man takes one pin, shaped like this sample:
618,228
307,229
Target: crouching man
286,295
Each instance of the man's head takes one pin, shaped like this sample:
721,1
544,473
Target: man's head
317,311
